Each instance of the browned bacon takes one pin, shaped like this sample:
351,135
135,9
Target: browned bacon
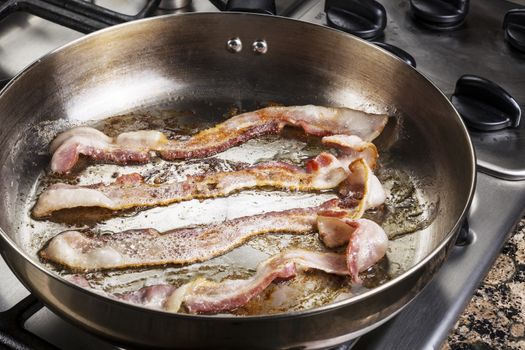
202,296
207,297
148,247
361,190
323,172
138,146
128,191
367,244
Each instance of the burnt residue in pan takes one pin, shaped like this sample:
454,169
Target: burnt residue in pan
405,210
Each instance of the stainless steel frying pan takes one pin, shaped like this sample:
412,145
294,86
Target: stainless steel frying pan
185,62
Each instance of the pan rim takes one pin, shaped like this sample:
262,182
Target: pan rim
291,314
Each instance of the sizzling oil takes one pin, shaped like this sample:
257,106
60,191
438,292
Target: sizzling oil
405,211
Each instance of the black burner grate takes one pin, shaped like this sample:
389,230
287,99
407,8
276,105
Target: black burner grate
13,334
79,15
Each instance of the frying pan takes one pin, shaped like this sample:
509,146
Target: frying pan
184,61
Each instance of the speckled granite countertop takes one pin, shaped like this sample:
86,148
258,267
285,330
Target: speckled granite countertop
495,317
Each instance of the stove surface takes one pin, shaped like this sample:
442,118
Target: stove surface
476,48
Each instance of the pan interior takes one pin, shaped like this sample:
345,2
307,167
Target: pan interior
408,209
183,83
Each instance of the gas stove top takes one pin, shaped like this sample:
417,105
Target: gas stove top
466,39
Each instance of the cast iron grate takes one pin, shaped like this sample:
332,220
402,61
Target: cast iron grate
13,334
79,15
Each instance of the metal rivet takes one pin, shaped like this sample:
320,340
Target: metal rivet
234,45
260,47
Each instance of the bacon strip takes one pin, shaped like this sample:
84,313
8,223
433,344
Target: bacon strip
138,146
352,147
367,242
148,247
202,296
361,190
128,191
207,297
